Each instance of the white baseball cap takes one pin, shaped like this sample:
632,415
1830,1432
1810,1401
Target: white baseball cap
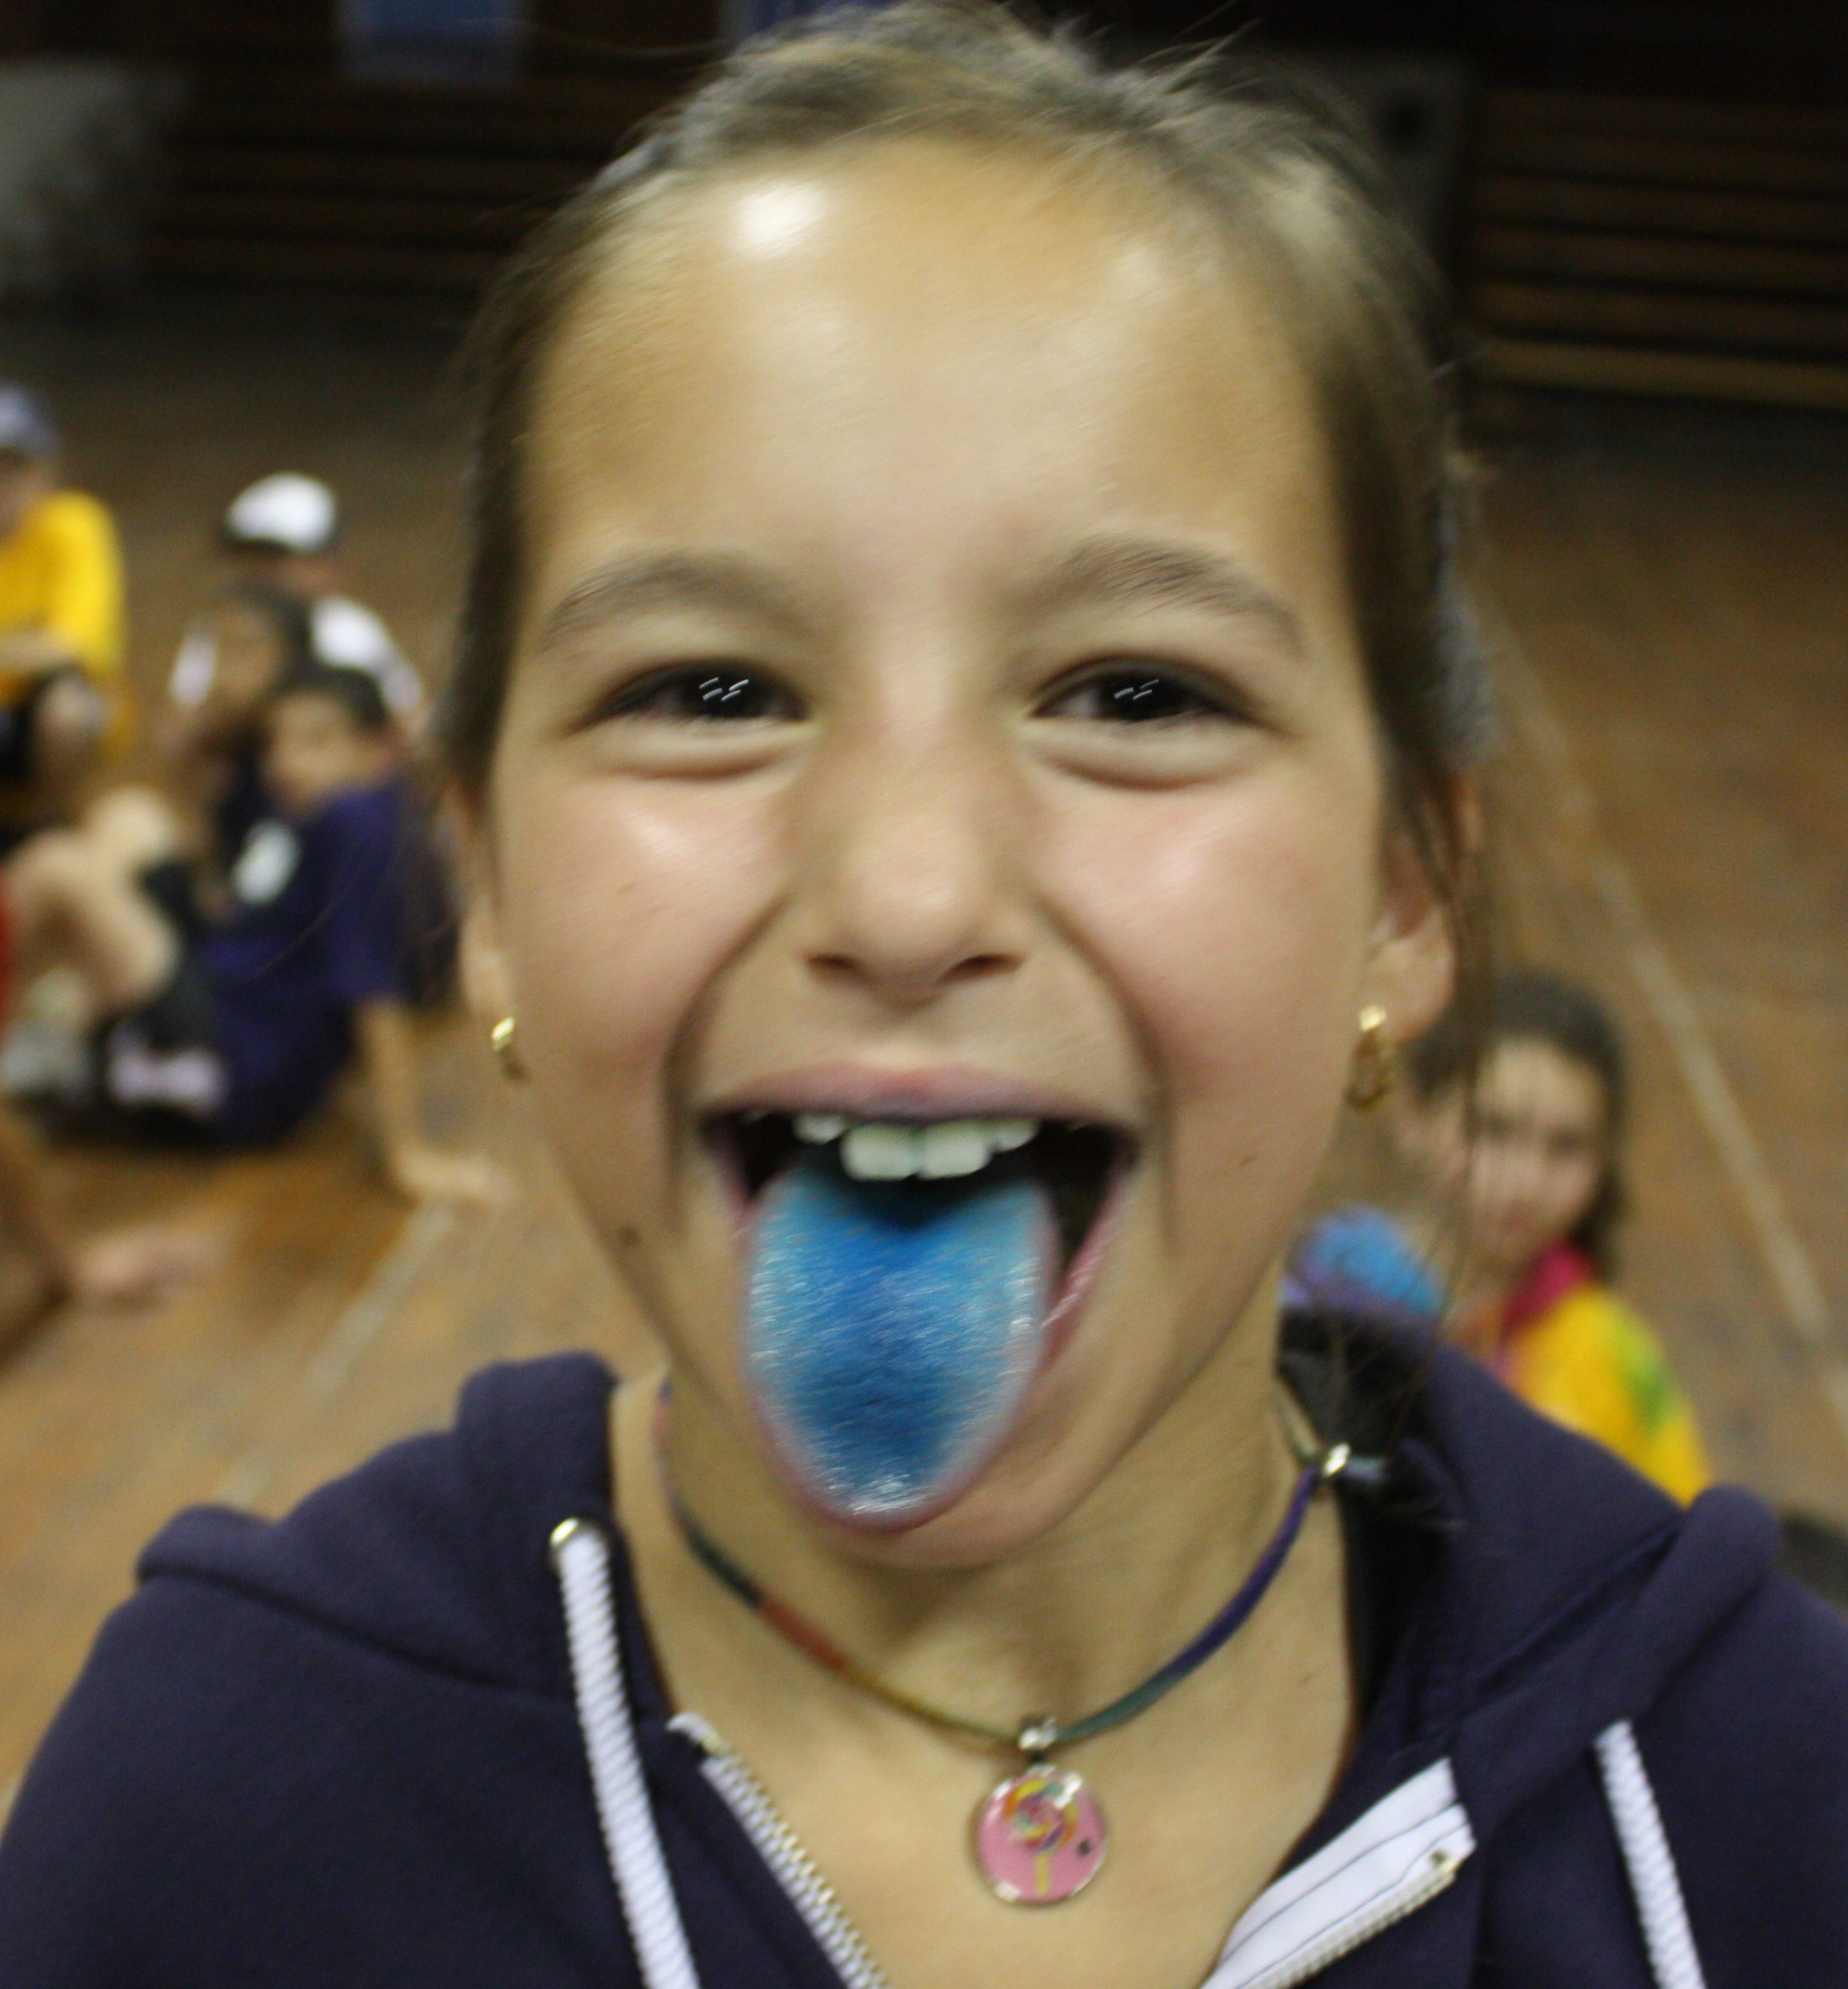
298,513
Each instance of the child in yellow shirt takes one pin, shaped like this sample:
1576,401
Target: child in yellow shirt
62,695
1528,1155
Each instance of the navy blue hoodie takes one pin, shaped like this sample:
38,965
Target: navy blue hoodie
342,1748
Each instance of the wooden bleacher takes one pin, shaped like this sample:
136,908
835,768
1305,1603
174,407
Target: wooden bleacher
1691,250
307,178
1614,241
280,168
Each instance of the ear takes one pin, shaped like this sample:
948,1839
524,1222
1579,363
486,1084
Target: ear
487,985
1413,963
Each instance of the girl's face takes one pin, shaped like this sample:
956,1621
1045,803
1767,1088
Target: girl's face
1531,1168
937,696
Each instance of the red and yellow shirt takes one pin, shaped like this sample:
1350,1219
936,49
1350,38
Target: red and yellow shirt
1570,1347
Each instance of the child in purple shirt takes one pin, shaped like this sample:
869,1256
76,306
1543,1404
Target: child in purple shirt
235,1026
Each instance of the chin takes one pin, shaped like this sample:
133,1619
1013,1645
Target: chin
1009,1510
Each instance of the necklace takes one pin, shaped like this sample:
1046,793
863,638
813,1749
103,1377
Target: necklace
1039,1835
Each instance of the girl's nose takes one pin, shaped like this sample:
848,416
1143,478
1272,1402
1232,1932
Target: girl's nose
1523,1171
910,871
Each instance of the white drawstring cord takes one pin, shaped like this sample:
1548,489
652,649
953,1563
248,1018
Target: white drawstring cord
1653,1880
581,1555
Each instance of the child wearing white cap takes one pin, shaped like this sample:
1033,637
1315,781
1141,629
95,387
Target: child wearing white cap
281,532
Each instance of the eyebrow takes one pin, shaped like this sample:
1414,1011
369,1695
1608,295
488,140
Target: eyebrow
1130,571
635,584
1148,572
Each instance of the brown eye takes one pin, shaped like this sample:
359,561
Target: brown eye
703,692
1133,694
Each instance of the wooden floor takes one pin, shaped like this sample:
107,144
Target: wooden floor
1672,603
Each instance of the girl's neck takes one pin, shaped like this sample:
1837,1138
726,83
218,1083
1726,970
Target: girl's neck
1081,1614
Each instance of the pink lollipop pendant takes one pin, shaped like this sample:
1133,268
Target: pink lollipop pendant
1041,1836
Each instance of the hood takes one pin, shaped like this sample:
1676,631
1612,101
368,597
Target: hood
437,1550
1559,1592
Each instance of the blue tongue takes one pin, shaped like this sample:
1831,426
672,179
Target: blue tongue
891,1330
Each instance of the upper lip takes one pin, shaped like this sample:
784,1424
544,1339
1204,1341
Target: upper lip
863,1091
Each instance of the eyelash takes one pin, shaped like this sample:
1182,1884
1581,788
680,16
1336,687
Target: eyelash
704,693
1126,695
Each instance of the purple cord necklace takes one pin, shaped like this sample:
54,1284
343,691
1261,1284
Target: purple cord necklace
1039,1835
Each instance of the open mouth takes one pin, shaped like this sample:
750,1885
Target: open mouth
906,1281
1076,1161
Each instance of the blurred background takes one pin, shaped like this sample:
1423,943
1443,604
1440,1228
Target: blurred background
237,239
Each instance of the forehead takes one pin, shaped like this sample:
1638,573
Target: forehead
1531,1076
922,345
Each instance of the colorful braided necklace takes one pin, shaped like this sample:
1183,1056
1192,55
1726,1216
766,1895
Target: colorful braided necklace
1040,1834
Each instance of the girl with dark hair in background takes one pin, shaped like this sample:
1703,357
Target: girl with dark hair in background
964,738
1524,1156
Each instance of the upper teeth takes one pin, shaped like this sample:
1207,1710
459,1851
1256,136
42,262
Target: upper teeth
818,1128
874,1150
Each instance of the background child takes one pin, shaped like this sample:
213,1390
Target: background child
214,748
282,533
237,1026
61,696
1528,1157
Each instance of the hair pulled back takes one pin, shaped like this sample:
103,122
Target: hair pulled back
1278,177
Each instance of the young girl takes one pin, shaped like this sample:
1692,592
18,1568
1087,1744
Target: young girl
1527,1155
963,722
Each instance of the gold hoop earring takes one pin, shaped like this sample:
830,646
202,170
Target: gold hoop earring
503,1038
1372,1074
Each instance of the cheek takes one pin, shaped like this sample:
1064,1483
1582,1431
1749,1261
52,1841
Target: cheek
623,900
1574,1186
1234,926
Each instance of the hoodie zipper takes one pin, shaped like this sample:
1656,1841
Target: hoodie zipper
780,1848
1439,1873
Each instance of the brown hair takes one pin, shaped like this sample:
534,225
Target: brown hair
1277,175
